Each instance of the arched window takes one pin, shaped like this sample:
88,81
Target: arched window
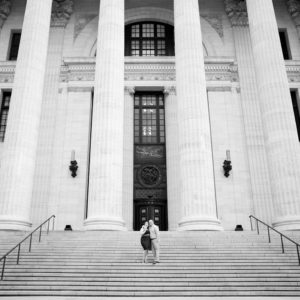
149,39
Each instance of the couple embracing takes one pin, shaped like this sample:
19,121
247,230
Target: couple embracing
150,241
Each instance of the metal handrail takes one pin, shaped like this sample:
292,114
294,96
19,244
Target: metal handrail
28,236
281,235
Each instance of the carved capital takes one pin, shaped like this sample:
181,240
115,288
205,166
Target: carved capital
5,6
61,12
237,12
170,90
129,90
294,10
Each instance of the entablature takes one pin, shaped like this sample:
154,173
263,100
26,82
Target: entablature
218,70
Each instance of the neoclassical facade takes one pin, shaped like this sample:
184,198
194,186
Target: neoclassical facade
117,111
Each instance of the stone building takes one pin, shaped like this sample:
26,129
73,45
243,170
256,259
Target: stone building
150,100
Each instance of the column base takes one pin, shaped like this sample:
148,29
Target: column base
104,223
287,223
13,223
200,223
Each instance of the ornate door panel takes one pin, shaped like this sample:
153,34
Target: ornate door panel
150,180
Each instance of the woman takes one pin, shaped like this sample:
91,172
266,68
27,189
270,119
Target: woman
145,241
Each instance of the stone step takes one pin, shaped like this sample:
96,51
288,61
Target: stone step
163,294
160,273
207,280
193,264
196,277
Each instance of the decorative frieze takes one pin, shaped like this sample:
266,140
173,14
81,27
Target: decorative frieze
237,12
5,6
61,12
84,70
7,71
294,10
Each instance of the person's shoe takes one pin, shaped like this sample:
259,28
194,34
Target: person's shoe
154,263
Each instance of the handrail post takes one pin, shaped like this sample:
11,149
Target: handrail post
53,223
40,234
251,223
48,226
269,234
30,243
282,246
257,227
297,247
18,259
3,267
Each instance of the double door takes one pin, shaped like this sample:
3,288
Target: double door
151,210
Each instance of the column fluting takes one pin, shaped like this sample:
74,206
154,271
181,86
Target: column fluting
106,161
282,145
173,180
196,168
20,145
61,13
262,206
128,157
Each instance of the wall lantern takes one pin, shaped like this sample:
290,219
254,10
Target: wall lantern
227,164
74,166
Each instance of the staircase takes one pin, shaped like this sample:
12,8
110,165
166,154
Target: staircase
192,264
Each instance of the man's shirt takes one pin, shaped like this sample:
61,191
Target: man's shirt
154,232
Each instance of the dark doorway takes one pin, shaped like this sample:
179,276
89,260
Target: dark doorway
150,178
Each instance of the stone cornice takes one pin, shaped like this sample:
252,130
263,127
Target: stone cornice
294,10
5,6
237,12
61,12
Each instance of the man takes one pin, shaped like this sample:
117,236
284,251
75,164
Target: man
154,236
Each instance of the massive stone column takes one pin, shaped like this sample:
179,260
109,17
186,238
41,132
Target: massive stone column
19,156
61,13
196,169
128,156
173,180
106,162
277,114
258,165
294,9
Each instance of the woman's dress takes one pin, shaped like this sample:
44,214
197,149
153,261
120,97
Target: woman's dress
145,240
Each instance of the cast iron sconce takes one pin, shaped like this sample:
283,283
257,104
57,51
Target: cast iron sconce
227,164
74,166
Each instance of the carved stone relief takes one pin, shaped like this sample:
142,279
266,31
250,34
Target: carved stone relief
294,10
5,6
61,12
216,22
237,12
